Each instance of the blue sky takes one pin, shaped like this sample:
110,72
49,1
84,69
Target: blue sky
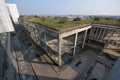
68,7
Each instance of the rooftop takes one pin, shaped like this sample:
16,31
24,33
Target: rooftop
57,23
63,23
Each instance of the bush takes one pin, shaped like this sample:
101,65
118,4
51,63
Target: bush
96,19
43,18
36,16
62,21
119,20
77,19
65,18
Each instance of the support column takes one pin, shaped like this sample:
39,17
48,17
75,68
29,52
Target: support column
84,39
59,51
46,42
103,34
76,36
90,35
96,34
91,30
100,34
93,33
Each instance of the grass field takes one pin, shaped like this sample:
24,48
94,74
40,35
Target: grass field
61,23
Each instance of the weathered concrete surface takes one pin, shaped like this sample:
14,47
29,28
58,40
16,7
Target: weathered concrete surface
115,72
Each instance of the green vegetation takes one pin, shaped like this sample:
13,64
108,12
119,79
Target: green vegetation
56,23
107,21
77,19
62,23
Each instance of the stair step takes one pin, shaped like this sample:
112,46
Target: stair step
110,46
111,52
118,42
112,38
48,59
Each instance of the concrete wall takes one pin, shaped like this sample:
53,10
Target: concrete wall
13,12
5,21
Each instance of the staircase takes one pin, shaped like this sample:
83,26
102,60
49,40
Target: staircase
112,46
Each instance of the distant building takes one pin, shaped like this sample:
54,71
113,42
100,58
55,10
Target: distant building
13,11
5,21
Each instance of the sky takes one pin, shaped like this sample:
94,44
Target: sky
67,7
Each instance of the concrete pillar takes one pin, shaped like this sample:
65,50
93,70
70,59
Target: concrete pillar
93,32
96,34
100,34
59,51
45,41
76,36
90,32
84,39
102,38
90,35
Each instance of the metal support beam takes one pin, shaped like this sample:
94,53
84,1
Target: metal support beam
76,37
84,39
59,51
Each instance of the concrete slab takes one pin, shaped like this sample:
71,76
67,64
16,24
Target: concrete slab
97,73
65,45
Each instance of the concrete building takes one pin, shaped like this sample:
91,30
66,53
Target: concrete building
6,26
56,44
13,12
5,21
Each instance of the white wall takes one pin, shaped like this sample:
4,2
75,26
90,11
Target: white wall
5,21
13,11
1,1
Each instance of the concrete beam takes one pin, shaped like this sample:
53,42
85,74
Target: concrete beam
106,26
74,31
